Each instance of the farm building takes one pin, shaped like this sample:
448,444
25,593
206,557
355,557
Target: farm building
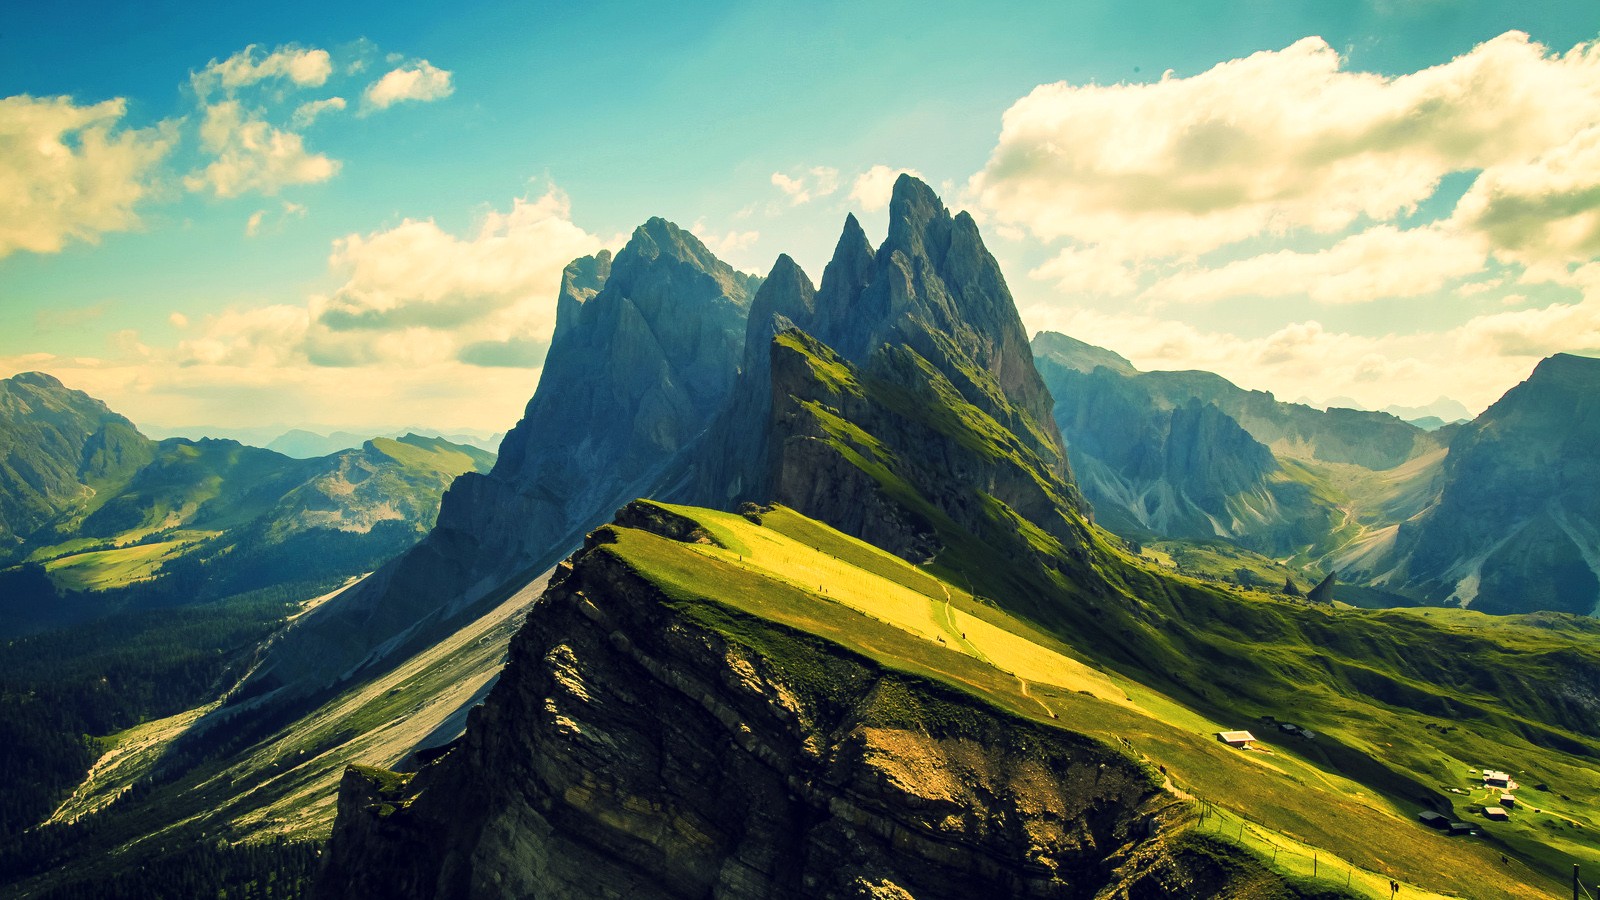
1494,778
1495,813
1508,800
1460,828
1433,820
1239,739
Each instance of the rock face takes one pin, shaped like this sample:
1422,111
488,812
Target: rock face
645,349
1187,470
1190,455
899,399
629,751
1517,525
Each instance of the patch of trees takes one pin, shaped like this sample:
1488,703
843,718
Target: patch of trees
206,869
60,688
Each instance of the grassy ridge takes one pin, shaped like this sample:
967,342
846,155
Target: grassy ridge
1303,791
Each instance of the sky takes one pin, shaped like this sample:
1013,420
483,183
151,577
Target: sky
355,215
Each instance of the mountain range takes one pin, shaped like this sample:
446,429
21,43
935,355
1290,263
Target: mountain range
1496,514
94,516
796,589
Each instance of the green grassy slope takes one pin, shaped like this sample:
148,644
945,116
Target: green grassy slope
205,519
1307,796
1403,701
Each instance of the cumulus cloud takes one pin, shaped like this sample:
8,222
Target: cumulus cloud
71,172
420,81
419,275
253,155
262,337
872,188
1544,212
1379,263
1087,270
1284,140
306,113
158,392
304,67
803,187
1536,333
728,245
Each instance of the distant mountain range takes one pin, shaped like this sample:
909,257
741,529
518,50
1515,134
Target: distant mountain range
93,515
304,443
1499,514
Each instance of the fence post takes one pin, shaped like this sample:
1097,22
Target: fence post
1575,883
1313,864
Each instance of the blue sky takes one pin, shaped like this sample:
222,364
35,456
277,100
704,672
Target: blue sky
1391,213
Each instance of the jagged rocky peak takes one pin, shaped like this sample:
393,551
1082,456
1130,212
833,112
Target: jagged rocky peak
646,349
933,286
581,280
785,299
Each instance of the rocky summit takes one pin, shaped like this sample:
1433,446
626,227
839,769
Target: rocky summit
645,350
1515,526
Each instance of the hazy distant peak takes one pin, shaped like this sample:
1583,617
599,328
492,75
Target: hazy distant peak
1075,354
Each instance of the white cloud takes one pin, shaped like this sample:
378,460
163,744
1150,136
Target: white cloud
1544,212
730,243
1536,333
419,81
68,172
253,155
157,392
426,325
306,113
1381,262
818,181
1274,142
873,187
253,224
301,66
1087,270
263,337
497,285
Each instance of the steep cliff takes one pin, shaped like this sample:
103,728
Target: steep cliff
648,741
645,349
931,290
1517,526
1189,455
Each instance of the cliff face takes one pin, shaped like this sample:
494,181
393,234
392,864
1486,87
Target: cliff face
1187,471
645,349
1517,527
630,750
931,289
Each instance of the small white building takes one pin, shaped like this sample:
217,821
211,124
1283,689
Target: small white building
1240,739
